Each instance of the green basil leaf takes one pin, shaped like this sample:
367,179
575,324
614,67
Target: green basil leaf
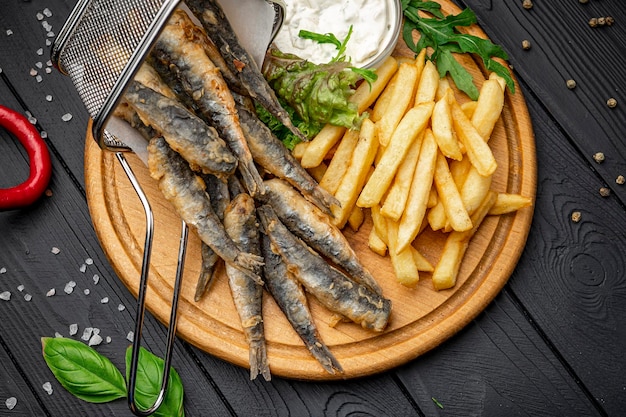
83,371
149,374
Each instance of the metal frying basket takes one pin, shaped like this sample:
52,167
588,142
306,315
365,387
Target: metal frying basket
101,46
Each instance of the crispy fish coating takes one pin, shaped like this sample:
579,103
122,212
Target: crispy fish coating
333,289
291,299
214,21
314,227
217,189
201,80
186,191
187,134
269,152
241,225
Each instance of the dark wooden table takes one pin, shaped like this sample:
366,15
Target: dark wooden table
552,343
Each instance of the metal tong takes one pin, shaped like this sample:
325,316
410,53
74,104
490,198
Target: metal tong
101,46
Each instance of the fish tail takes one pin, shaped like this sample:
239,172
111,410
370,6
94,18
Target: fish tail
249,264
325,358
258,360
251,178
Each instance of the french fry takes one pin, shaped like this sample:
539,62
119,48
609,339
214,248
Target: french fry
319,146
474,189
341,159
442,88
376,244
398,194
508,203
437,216
299,150
441,122
478,151
367,93
414,121
380,107
421,185
447,268
422,264
450,198
380,223
459,170
488,108
468,108
403,262
398,102
356,218
428,83
356,174
432,197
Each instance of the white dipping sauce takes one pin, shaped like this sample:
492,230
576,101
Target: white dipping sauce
371,20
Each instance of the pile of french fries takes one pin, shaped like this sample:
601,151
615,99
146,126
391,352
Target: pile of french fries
421,159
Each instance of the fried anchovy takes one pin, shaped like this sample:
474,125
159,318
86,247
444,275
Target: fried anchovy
186,192
187,134
241,225
269,152
214,21
202,81
333,289
217,189
291,299
311,225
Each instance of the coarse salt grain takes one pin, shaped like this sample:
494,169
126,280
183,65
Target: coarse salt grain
96,279
11,402
38,64
55,250
38,78
39,16
51,292
130,336
48,70
44,134
104,300
39,52
28,297
47,12
87,333
6,296
86,291
108,339
58,335
9,32
69,287
95,340
121,307
47,386
33,72
20,287
48,97
83,268
73,329
66,117
48,42
89,261
3,270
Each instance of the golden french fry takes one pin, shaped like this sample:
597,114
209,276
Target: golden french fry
319,146
318,172
508,203
367,93
432,197
428,83
376,244
398,194
403,262
414,121
423,265
501,81
356,218
299,150
459,170
421,185
380,223
341,159
356,174
380,107
449,195
398,102
468,108
474,189
442,88
488,108
437,216
441,123
447,268
477,150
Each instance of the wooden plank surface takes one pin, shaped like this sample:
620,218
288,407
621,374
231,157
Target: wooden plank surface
557,342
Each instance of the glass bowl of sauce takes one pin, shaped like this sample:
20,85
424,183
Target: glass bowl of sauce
375,29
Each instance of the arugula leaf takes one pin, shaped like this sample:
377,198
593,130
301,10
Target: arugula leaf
83,371
441,34
149,374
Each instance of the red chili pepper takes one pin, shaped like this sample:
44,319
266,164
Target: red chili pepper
30,190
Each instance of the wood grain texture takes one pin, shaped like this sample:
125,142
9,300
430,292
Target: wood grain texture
422,318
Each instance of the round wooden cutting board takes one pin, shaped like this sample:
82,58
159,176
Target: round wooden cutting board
421,317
